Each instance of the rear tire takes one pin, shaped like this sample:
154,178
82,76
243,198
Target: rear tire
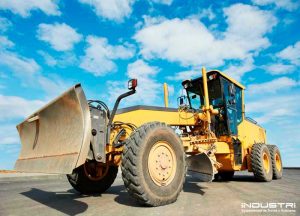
83,184
153,165
276,161
261,162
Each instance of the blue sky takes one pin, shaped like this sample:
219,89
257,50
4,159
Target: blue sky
47,46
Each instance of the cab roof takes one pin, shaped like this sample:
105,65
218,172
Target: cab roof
223,75
228,78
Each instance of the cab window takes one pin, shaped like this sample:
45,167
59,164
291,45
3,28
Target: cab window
238,98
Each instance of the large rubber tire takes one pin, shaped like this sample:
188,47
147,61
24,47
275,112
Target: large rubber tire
261,172
225,176
135,169
276,157
84,185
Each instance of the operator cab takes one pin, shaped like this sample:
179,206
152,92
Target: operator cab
225,95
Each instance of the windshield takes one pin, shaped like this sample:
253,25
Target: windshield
195,93
194,99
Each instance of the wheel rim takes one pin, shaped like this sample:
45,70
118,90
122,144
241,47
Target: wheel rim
266,162
278,162
95,171
162,163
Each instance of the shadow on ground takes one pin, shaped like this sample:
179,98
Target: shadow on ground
191,185
239,178
67,203
64,202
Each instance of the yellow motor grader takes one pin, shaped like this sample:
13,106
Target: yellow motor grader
207,135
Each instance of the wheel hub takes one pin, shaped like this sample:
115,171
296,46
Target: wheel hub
278,161
162,163
266,162
95,171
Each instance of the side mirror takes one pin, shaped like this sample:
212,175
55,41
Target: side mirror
182,100
132,84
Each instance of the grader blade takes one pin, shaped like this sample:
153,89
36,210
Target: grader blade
56,138
201,167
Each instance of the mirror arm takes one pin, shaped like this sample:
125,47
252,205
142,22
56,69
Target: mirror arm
113,113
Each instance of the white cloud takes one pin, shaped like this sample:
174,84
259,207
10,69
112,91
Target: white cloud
25,69
49,60
24,8
189,42
289,5
247,27
207,13
18,64
171,90
52,85
286,61
99,56
148,89
13,107
166,2
115,10
274,108
140,69
149,21
63,60
291,53
5,24
184,75
273,86
8,134
237,70
61,37
28,71
279,69
5,43
176,40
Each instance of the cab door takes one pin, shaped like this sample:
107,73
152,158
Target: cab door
230,105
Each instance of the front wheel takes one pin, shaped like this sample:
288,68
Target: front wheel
153,164
93,177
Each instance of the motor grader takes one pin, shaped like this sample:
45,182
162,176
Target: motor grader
208,135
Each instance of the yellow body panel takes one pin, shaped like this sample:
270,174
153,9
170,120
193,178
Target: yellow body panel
142,115
250,133
222,148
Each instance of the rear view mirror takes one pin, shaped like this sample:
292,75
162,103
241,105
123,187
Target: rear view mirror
181,101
